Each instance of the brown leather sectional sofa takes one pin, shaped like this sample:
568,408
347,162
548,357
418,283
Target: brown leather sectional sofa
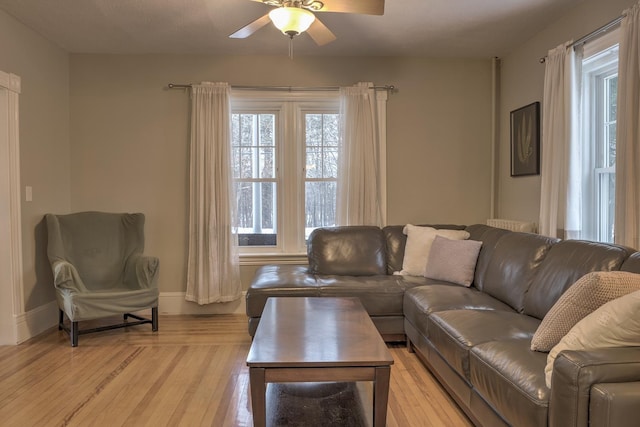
476,340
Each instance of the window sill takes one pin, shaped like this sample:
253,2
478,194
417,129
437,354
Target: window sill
266,258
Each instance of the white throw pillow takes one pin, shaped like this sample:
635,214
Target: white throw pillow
614,324
453,260
419,241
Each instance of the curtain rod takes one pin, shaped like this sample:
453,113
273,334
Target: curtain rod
389,88
593,34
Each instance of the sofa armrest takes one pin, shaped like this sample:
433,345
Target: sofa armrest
615,405
66,277
141,271
574,374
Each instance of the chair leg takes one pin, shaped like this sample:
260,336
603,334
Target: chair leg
60,319
74,334
154,319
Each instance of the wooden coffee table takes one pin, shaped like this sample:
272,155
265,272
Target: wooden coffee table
317,340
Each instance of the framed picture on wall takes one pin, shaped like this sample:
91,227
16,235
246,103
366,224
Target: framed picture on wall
525,140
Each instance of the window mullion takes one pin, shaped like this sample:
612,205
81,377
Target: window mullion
290,184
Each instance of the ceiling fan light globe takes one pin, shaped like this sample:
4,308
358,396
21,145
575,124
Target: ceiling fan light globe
291,20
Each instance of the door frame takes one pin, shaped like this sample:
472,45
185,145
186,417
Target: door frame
11,274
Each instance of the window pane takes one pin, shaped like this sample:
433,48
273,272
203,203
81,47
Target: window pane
314,163
331,129
612,98
322,145
313,129
267,129
256,213
611,107
267,163
246,162
607,193
244,197
611,144
246,129
235,129
320,205
330,163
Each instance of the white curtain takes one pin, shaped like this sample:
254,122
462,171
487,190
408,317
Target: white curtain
361,174
561,180
213,273
627,210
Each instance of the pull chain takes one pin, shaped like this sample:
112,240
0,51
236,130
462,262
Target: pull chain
290,47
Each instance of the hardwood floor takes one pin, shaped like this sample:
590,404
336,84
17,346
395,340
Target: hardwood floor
190,373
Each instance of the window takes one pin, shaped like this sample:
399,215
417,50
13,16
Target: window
285,166
254,171
599,111
321,170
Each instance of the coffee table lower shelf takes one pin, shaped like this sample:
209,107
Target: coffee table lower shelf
260,377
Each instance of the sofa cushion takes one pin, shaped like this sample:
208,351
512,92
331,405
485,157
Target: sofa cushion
586,295
509,377
418,246
421,301
614,324
281,281
632,264
515,261
453,333
565,263
453,260
380,295
396,241
489,236
347,251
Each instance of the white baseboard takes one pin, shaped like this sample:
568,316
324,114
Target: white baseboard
36,321
174,303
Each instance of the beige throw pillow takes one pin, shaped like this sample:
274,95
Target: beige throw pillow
582,298
419,241
615,324
453,260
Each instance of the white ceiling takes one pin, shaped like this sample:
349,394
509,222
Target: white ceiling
451,28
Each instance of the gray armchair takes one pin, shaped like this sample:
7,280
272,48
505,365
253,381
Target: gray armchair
99,269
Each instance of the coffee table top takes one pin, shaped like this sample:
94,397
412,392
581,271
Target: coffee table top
316,332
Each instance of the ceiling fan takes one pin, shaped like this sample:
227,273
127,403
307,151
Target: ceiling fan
293,17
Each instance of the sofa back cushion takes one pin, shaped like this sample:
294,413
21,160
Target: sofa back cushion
347,251
489,237
632,264
566,262
396,241
515,260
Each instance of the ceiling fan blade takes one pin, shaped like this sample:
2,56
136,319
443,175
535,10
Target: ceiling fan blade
320,33
247,30
365,7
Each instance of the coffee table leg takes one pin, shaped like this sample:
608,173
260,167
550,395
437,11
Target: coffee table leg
381,396
258,396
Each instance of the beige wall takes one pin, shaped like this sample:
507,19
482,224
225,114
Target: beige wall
522,79
129,133
44,143
126,146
